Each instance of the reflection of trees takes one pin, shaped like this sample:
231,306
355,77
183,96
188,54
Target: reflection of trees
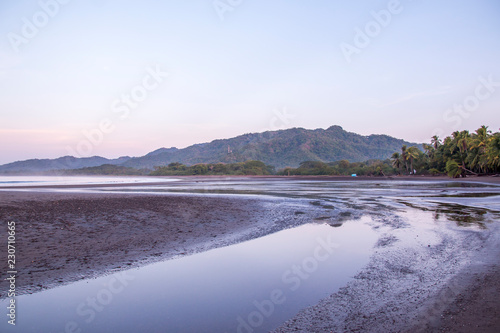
463,216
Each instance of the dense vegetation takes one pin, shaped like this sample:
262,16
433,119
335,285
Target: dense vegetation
242,168
105,169
284,148
344,167
458,155
34,166
464,153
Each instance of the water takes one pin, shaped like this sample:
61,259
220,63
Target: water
74,180
340,193
255,285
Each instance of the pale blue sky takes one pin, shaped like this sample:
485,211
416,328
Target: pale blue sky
238,75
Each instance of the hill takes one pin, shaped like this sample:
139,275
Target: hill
283,148
61,163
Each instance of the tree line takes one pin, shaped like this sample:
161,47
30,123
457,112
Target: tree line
458,155
341,168
242,168
464,153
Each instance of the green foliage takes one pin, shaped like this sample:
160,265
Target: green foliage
435,172
313,168
343,167
284,148
242,168
106,169
457,155
453,169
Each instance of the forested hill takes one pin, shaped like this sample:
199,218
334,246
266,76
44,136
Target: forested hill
61,163
281,148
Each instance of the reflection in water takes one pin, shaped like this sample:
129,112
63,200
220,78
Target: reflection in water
468,195
255,285
336,195
9,181
463,216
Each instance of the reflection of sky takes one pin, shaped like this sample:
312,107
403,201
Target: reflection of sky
229,77
73,180
475,194
207,292
419,191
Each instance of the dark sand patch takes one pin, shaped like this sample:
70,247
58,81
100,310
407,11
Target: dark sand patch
64,237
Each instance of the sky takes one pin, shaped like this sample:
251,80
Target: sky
114,78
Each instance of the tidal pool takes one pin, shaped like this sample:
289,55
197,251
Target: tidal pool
248,287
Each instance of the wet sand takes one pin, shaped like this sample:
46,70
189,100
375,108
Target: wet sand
450,286
64,237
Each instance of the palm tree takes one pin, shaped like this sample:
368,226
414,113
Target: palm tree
453,169
493,152
396,161
435,141
459,148
477,158
458,154
412,153
429,150
404,156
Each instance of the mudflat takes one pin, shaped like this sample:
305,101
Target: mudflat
449,284
64,237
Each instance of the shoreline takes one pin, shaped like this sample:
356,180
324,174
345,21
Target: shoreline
69,236
475,179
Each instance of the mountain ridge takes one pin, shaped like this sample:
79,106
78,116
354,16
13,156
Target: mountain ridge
281,148
60,163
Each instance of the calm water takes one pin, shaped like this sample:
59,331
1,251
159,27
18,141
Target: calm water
72,180
255,286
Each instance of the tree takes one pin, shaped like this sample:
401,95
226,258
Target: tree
396,161
453,169
435,141
459,147
404,156
177,166
477,158
429,150
199,169
459,154
412,153
492,152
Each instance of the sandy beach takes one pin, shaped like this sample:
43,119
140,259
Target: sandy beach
449,286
